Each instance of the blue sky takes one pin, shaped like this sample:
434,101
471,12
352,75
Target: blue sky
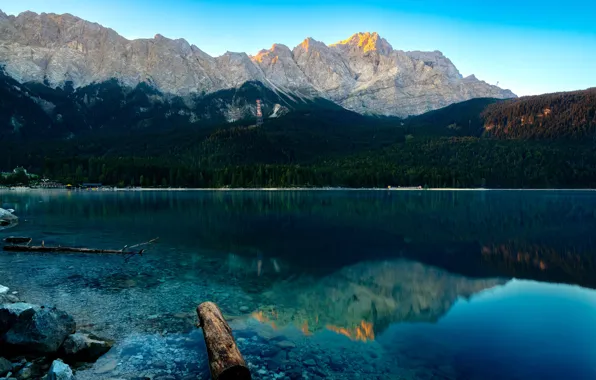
528,46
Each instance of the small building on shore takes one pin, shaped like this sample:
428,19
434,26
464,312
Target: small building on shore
87,185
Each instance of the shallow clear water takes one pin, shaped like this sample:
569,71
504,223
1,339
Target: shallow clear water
323,284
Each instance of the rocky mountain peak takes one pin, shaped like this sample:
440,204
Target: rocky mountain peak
273,54
280,49
366,42
310,43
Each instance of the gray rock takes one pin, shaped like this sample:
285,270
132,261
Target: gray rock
336,363
60,371
26,372
285,344
85,347
5,366
277,361
39,330
106,366
160,364
295,374
9,313
8,298
269,351
7,219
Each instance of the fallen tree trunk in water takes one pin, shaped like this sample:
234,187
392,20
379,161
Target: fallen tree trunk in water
225,360
42,248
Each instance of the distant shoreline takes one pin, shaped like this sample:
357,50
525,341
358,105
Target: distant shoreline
148,189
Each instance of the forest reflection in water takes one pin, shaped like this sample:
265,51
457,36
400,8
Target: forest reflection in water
542,235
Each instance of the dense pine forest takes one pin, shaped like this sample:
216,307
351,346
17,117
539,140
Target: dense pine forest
533,142
570,115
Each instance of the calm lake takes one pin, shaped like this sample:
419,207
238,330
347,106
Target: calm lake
323,284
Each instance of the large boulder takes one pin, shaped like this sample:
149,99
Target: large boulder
39,330
59,371
7,219
81,347
5,297
5,367
10,312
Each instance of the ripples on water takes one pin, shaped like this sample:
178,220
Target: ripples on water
325,284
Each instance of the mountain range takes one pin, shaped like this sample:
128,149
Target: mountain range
80,103
363,73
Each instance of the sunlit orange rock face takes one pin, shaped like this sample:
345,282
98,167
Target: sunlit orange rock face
367,42
263,318
363,332
360,301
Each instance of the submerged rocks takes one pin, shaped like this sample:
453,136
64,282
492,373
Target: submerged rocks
285,344
107,366
39,330
8,298
85,347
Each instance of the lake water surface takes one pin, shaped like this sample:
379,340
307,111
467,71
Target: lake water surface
323,284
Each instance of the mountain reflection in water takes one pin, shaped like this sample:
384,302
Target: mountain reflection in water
362,300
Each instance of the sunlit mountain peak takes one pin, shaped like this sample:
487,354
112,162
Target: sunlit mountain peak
367,42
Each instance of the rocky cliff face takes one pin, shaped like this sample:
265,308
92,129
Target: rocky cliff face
363,73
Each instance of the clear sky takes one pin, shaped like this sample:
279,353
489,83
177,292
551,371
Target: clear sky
528,46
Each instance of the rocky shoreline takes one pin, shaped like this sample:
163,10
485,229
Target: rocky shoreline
41,342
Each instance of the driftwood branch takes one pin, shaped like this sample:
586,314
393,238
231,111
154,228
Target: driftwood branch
43,248
17,240
225,360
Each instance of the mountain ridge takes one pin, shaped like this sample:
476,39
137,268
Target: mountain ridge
362,73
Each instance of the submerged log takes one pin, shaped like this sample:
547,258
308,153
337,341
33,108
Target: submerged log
225,360
43,248
127,251
17,240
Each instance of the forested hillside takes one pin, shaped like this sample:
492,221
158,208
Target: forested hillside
443,162
566,115
329,146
